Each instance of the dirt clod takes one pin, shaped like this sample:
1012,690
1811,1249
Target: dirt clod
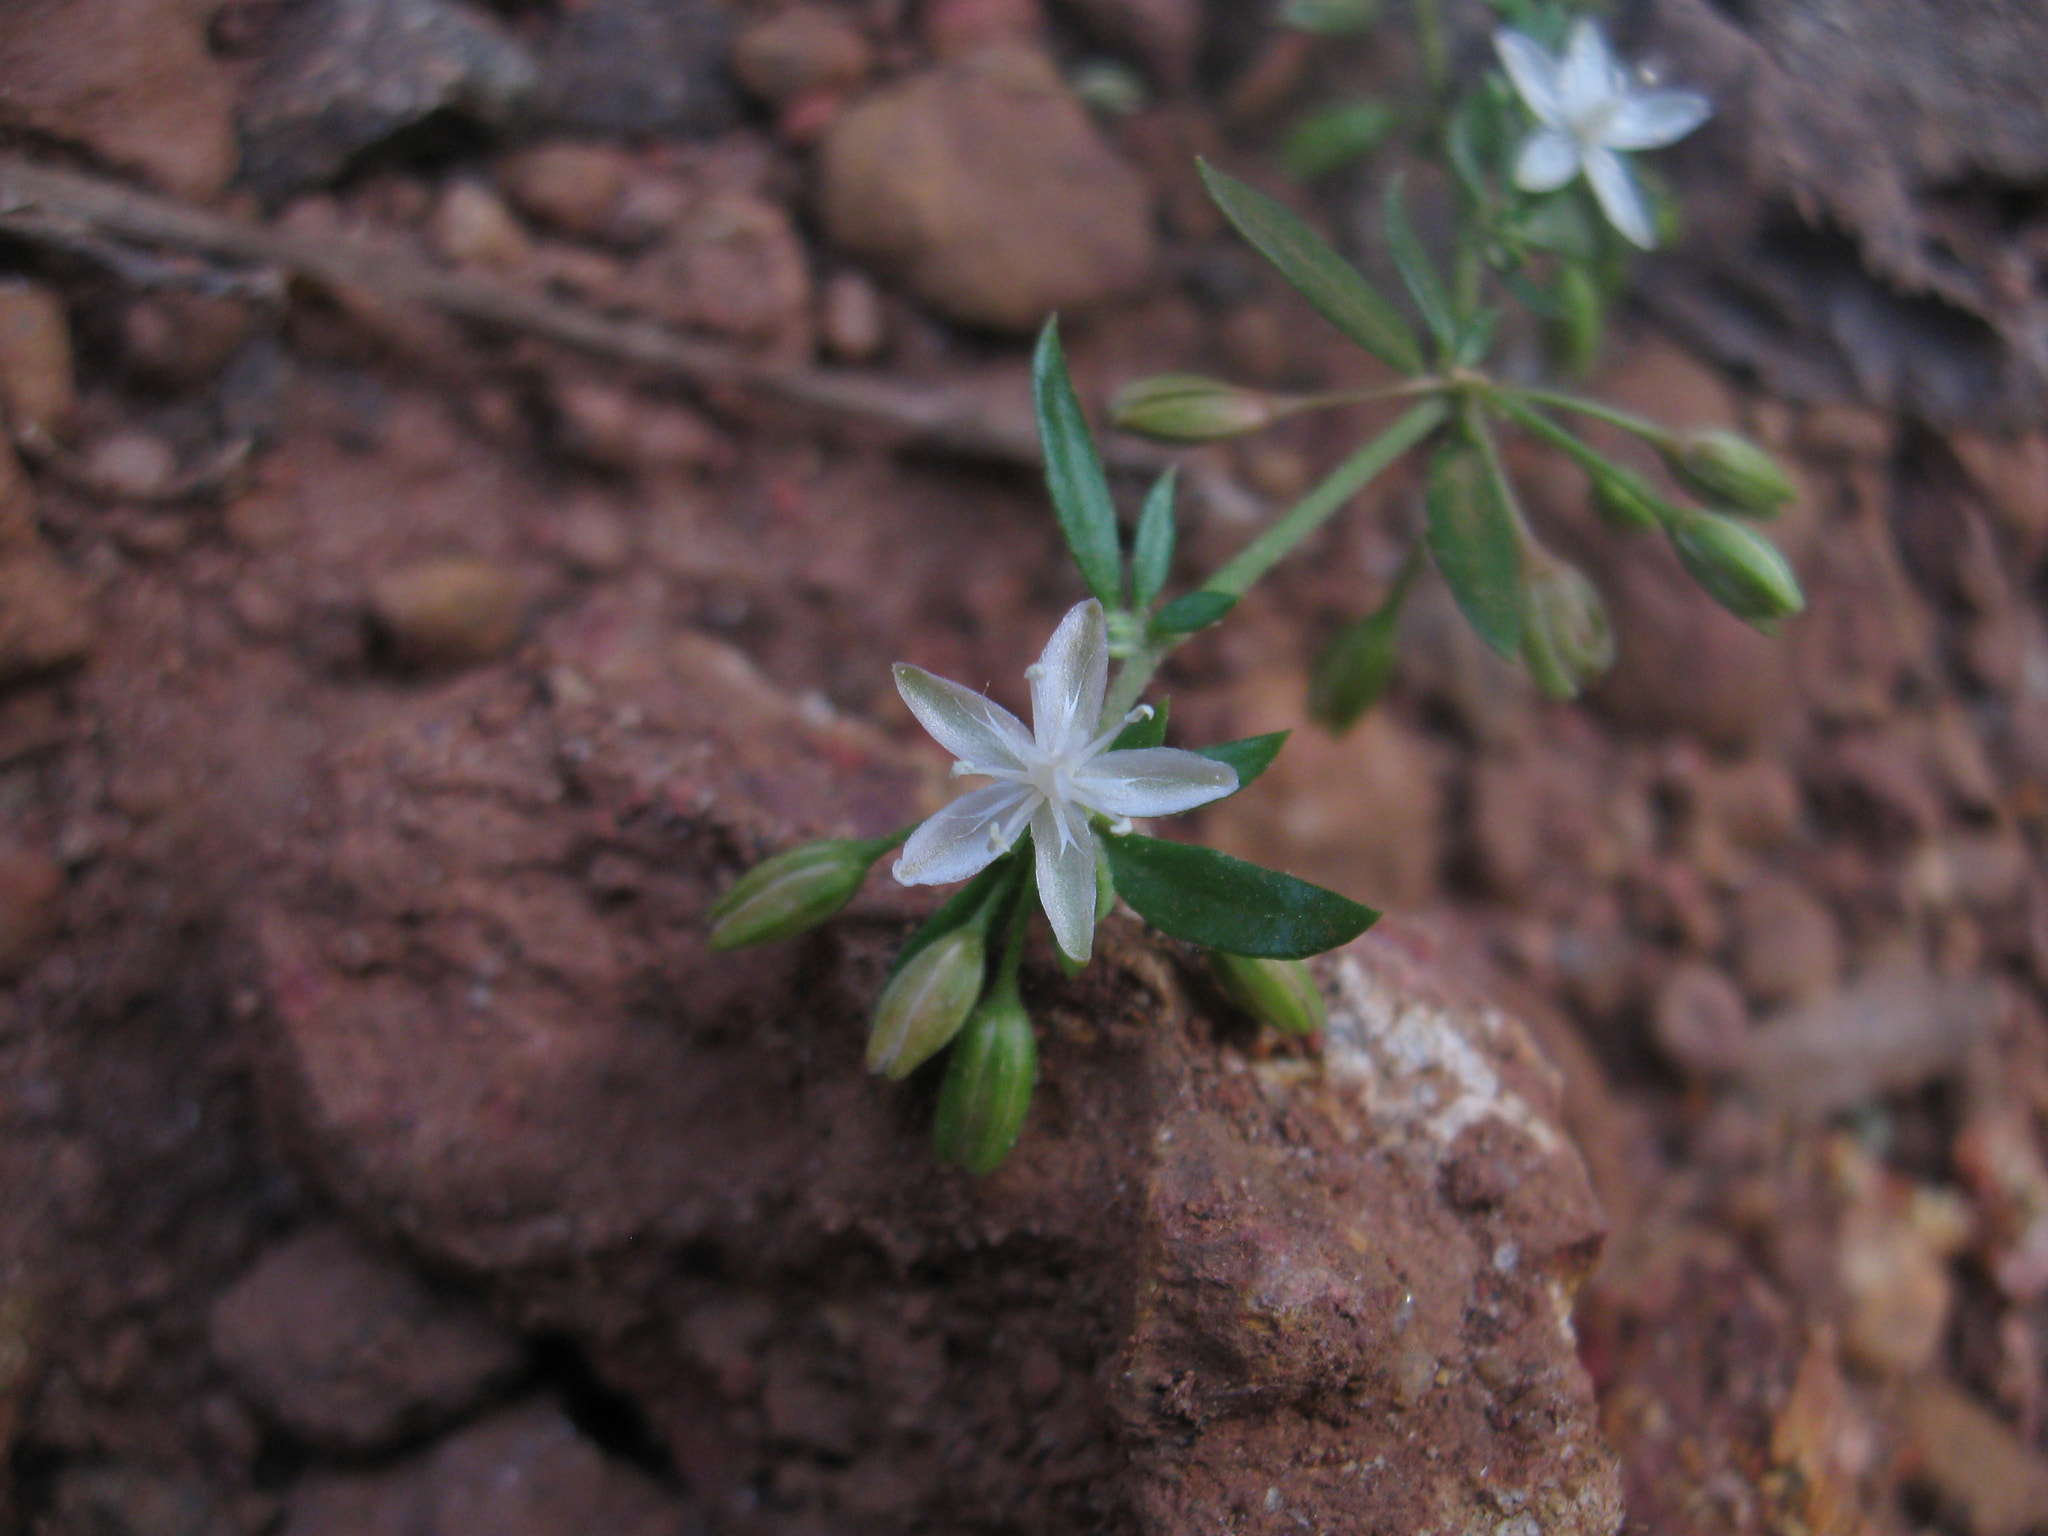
985,188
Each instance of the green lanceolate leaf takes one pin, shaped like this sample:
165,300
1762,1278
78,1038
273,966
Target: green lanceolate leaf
1250,756
1359,664
1324,278
1152,549
1329,140
1472,538
1418,272
1073,472
1210,898
1192,611
1149,731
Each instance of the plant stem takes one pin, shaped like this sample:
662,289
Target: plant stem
1268,548
1648,431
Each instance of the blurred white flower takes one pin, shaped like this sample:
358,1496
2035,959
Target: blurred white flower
1050,779
1589,110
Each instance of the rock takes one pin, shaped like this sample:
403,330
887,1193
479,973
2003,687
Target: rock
31,908
1303,816
18,529
179,340
347,1351
1163,35
611,425
472,228
952,28
1787,947
524,1472
123,1499
44,618
851,320
2010,472
571,187
1891,1030
633,68
37,389
592,536
733,264
795,52
133,82
1700,1022
983,186
1892,1256
1974,1464
1255,1272
342,76
1684,665
450,612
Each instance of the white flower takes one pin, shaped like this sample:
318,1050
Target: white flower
1050,779
1589,108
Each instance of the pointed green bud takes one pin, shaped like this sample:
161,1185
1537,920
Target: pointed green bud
1187,408
1741,570
1281,993
1729,470
1566,641
926,1002
989,1079
796,889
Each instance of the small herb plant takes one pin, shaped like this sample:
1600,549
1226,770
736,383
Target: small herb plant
1053,830
1537,154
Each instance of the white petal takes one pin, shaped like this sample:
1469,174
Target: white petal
1069,681
1066,876
1619,199
1547,160
964,838
978,731
1587,77
1152,781
1655,118
1534,73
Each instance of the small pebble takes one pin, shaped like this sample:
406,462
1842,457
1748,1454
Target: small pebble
448,612
37,388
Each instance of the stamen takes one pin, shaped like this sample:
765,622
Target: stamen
1142,712
1034,672
1120,827
961,769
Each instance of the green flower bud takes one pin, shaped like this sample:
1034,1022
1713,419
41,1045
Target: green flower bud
988,1084
1187,408
1566,641
1281,993
796,889
1729,470
1741,570
926,1002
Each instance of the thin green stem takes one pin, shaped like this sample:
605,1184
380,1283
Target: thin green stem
1313,510
1481,437
1429,32
1268,548
1649,431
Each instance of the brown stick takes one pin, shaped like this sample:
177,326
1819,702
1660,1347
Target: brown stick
65,207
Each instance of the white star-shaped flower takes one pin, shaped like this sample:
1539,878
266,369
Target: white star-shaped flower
1051,778
1589,110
